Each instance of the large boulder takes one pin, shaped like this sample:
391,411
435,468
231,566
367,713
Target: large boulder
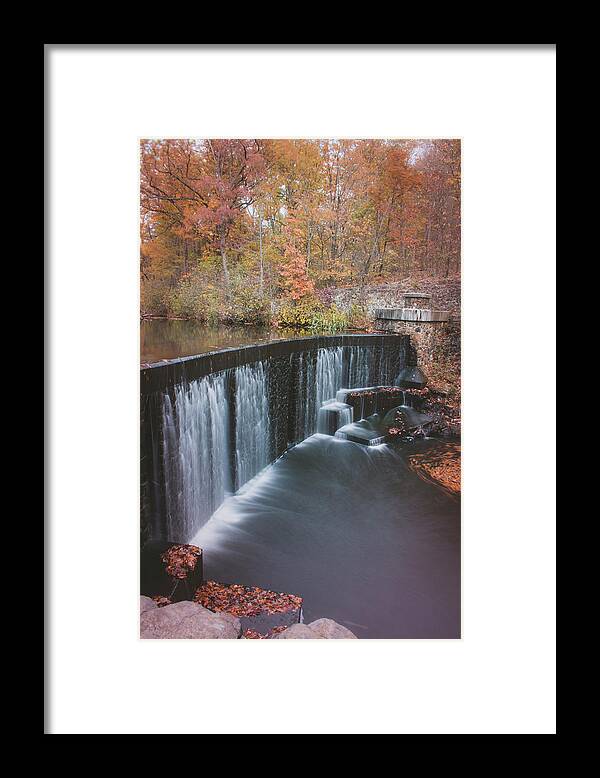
298,631
147,604
411,377
327,628
190,620
317,630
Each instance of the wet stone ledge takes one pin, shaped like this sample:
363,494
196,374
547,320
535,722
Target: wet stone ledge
160,376
411,314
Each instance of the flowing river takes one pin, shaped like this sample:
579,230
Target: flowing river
353,530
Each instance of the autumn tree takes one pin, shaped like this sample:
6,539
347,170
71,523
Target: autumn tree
201,189
293,216
294,277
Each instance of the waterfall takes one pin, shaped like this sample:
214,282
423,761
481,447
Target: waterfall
328,378
359,367
252,449
195,454
317,381
306,409
332,416
300,407
215,433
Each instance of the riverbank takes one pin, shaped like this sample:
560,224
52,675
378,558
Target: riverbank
189,620
442,466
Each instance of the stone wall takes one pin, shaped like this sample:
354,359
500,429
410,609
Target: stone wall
435,347
445,295
416,300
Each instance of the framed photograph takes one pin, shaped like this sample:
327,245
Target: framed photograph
287,288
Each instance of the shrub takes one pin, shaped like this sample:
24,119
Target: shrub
358,318
330,320
309,313
192,298
247,306
299,315
154,297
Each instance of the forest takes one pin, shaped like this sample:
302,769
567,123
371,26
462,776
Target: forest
257,231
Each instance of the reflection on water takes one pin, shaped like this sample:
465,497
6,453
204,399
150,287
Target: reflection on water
354,531
169,339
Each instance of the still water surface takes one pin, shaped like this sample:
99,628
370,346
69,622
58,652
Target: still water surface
169,339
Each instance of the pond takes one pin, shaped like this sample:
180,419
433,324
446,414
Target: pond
352,529
172,338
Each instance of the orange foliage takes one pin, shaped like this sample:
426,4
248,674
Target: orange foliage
293,215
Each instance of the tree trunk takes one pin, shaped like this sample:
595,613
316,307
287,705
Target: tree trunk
225,267
260,253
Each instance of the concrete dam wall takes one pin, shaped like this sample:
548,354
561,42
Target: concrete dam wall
211,423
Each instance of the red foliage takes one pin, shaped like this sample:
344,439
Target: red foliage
161,601
181,560
244,600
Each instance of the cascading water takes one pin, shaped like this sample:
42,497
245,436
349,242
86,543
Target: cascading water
332,416
252,450
196,454
305,407
216,433
318,380
329,377
359,367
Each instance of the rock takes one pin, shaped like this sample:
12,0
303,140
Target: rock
319,629
190,620
366,431
298,631
327,628
411,377
147,604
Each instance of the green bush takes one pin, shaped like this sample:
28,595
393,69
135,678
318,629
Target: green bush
358,317
299,315
192,299
331,320
154,297
247,306
312,315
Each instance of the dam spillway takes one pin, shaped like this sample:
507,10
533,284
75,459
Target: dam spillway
213,422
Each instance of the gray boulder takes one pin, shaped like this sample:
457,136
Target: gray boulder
327,628
189,620
147,604
317,630
298,631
